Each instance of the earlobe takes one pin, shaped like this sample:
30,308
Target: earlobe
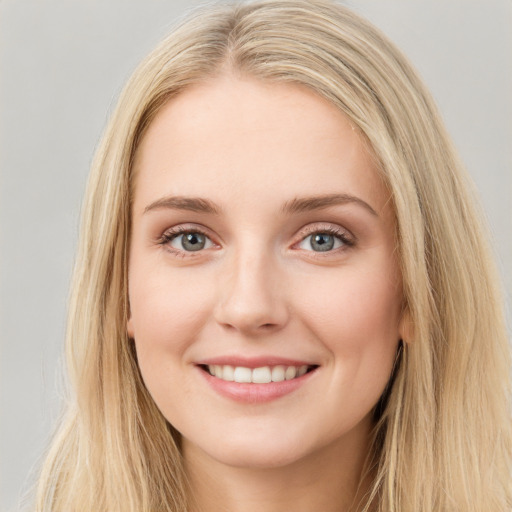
406,327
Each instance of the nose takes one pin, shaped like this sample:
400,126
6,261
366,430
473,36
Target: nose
252,296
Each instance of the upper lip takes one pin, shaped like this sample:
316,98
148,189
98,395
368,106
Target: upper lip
253,362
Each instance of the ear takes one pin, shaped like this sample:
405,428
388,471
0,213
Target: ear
406,327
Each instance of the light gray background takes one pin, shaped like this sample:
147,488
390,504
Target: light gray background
62,64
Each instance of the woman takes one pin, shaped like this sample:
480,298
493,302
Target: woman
283,295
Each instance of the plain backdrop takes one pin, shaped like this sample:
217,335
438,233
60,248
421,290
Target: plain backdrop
62,65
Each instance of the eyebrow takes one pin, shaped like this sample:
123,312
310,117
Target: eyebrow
191,204
296,205
304,204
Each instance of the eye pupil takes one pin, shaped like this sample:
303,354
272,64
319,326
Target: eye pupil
193,241
322,242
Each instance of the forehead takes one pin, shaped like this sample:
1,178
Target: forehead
236,140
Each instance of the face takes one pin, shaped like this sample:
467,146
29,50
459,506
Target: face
264,291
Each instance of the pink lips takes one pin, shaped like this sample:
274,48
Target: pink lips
252,393
252,362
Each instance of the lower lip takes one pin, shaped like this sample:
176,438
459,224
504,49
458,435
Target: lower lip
254,393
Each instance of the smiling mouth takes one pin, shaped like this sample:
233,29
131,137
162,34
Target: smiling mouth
261,375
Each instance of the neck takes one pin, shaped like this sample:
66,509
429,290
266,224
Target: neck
330,480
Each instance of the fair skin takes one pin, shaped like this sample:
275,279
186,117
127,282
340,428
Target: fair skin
262,277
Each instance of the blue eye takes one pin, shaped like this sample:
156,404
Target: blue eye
189,241
323,242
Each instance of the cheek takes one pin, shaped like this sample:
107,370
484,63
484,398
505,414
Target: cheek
356,315
168,309
360,303
168,312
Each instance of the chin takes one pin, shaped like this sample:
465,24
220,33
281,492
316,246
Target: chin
255,449
254,457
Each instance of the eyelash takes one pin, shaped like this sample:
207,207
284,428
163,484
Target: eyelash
171,234
347,239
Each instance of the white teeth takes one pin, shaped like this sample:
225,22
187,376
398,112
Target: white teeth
228,373
302,370
290,373
278,373
243,374
262,375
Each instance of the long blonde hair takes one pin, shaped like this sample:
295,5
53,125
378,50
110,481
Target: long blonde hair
443,441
